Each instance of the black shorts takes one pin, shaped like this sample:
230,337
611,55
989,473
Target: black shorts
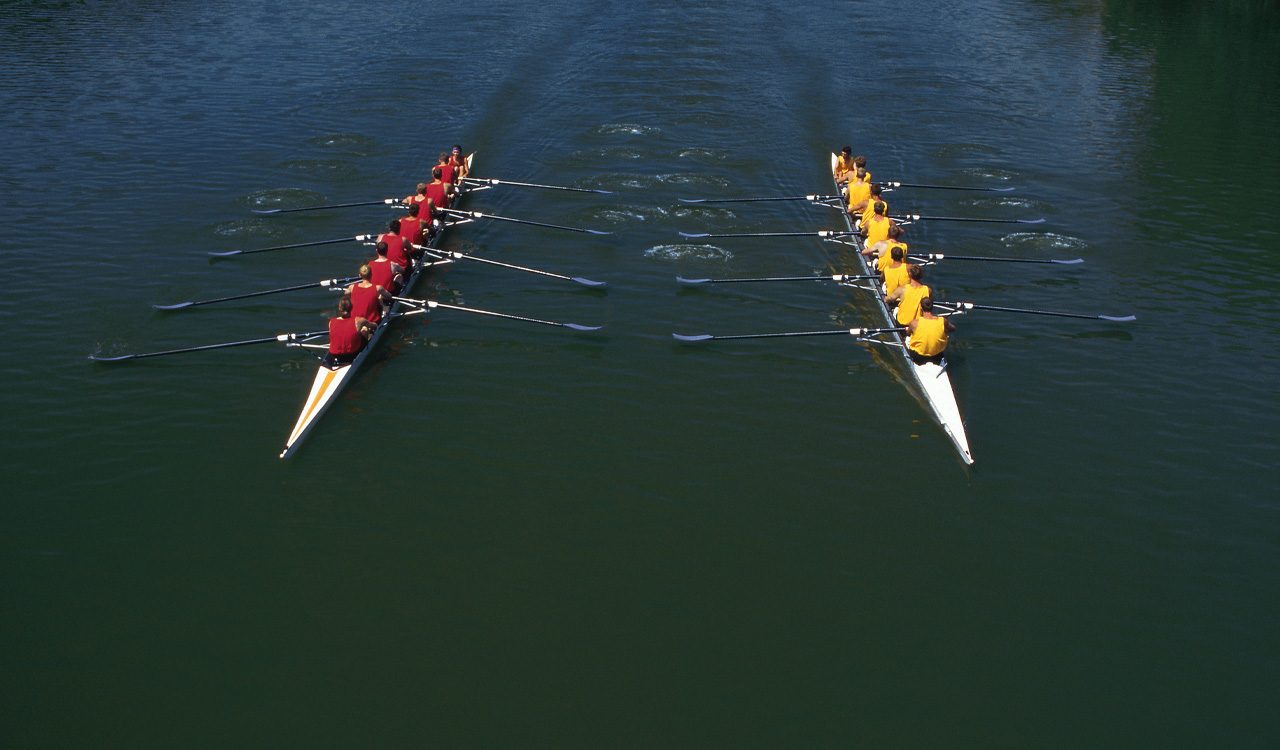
920,359
334,361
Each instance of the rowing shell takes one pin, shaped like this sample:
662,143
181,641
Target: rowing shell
330,381
930,379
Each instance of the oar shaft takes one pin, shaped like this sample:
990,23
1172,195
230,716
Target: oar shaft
283,337
947,256
265,211
432,304
495,217
357,238
247,295
994,308
478,259
790,334
824,233
760,200
495,181
945,187
918,217
835,277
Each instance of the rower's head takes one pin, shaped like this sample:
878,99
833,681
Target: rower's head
457,150
413,209
394,226
846,152
876,190
926,304
860,162
879,208
436,173
380,249
365,272
344,306
896,254
915,272
443,157
422,188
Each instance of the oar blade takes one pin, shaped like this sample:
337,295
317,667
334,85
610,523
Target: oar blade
1119,318
266,211
693,338
588,282
121,358
579,327
1030,221
691,282
695,235
1071,262
597,232
693,200
227,254
175,306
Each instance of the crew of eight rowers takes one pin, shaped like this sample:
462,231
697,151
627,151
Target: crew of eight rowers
398,249
904,289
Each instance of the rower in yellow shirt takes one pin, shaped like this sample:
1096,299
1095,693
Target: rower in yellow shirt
876,195
860,172
876,229
908,295
880,250
927,335
895,272
857,193
844,165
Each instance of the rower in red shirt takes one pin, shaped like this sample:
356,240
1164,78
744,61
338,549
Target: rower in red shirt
396,250
347,335
436,191
383,272
448,173
417,196
411,228
367,297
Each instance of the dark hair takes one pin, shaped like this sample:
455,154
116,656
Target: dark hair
413,209
435,173
380,248
896,253
926,304
860,161
876,189
344,305
916,272
879,208
394,225
847,150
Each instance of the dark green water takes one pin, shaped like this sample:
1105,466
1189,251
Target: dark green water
509,535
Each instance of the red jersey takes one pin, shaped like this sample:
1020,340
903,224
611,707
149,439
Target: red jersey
435,191
446,173
395,247
365,303
410,230
343,336
382,274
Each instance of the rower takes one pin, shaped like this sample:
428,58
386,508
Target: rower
459,162
367,298
877,227
876,195
417,196
857,191
908,295
860,173
880,250
347,335
411,227
896,271
437,191
448,173
383,272
927,335
397,253
844,165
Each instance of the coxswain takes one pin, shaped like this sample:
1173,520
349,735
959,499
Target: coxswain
396,251
927,335
895,272
367,297
844,165
877,227
383,272
436,191
908,295
459,162
347,335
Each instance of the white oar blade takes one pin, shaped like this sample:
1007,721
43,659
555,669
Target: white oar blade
1119,318
577,327
694,337
175,306
694,235
588,282
691,282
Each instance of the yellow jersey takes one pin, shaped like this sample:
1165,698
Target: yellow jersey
894,277
858,192
909,306
870,210
886,255
843,167
877,228
865,178
930,338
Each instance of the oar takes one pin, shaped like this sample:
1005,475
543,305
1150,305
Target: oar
384,201
478,215
761,200
945,187
283,337
918,217
357,238
463,256
312,285
971,306
495,181
432,304
823,233
857,332
836,277
942,256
